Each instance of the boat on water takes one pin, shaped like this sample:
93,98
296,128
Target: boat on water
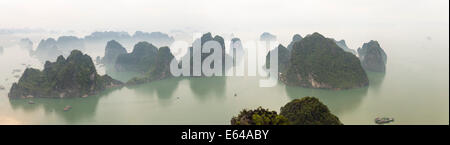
67,108
30,102
383,120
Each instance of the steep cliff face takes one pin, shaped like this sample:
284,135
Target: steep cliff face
308,111
372,56
75,76
317,62
141,59
112,50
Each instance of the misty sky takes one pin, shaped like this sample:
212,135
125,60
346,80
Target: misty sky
338,18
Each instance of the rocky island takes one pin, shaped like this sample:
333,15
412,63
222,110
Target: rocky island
159,70
75,76
372,56
112,50
141,59
318,62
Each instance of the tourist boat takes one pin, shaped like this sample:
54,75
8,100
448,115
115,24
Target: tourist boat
383,120
67,108
30,102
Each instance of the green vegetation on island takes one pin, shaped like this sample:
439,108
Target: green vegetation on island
75,76
317,62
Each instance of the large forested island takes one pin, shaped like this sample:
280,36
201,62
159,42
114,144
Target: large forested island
75,76
304,111
318,62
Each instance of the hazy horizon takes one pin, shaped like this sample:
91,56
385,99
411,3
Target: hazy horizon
353,20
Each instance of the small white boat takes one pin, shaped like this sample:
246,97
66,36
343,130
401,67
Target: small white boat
383,120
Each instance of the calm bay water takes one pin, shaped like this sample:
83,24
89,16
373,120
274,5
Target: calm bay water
414,90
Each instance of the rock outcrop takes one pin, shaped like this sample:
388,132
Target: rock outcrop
372,56
112,50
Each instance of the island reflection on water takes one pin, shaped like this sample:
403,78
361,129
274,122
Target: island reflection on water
202,89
